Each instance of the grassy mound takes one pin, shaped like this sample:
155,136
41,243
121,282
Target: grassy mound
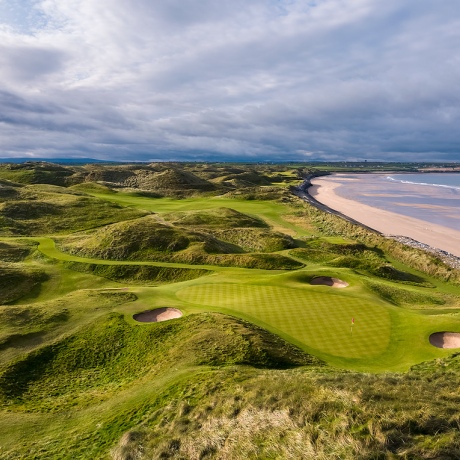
115,175
40,210
320,250
5,183
406,297
26,210
259,193
162,180
148,240
144,239
246,178
98,361
255,240
26,327
138,239
172,181
15,252
17,280
249,233
391,273
138,273
8,193
91,187
357,256
217,217
36,173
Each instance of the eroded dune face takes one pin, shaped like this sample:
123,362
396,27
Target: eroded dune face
157,315
328,281
445,339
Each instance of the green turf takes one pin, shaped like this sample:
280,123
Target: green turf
319,320
80,378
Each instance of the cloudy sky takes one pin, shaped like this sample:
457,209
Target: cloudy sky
230,79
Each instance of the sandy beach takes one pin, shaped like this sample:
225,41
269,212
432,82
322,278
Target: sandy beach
388,223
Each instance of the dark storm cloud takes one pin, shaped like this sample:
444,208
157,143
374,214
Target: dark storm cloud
331,79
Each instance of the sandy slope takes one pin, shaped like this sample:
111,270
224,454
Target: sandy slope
388,223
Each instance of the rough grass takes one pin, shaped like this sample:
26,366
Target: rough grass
303,414
91,187
36,173
357,256
138,274
8,192
172,181
44,210
145,239
96,362
27,326
219,217
246,192
138,239
406,297
17,280
165,181
16,251
255,240
321,250
149,240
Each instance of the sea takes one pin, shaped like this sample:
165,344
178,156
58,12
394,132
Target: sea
432,197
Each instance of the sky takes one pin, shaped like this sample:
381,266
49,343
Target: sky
233,80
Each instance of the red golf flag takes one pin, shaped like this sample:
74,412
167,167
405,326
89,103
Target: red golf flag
352,321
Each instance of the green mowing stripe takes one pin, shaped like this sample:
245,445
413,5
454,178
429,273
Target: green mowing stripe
316,319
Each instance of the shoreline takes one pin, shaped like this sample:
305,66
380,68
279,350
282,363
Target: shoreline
443,241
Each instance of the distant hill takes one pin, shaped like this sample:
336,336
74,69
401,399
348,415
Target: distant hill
67,161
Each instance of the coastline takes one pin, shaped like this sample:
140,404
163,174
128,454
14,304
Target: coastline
390,224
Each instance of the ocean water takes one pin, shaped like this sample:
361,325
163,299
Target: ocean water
433,197
429,179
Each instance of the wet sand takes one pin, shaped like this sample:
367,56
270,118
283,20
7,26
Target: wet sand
386,222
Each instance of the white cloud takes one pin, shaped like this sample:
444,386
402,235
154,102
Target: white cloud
265,78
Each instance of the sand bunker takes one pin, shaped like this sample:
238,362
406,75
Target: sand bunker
445,339
160,314
328,281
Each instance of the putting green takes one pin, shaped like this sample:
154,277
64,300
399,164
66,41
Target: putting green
319,320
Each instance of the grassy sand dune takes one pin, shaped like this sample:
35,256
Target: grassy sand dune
150,239
39,210
18,280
